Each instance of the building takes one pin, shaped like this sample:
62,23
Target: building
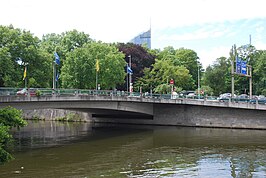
143,39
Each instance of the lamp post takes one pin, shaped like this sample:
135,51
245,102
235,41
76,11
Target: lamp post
198,80
130,77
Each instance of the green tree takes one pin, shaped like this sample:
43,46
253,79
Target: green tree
189,59
182,57
168,53
74,39
218,77
63,44
163,71
17,48
79,69
9,117
259,73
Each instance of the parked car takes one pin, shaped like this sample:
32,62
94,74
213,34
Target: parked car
261,100
191,95
225,97
24,92
243,98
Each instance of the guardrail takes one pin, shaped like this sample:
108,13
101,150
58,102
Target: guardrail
39,92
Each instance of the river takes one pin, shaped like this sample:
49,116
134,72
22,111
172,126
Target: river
79,150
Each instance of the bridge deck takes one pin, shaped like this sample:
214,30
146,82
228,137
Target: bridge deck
4,100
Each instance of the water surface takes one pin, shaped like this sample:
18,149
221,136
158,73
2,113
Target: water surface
54,149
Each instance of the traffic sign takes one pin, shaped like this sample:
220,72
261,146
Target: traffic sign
172,81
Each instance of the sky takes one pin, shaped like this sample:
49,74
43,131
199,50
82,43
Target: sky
209,27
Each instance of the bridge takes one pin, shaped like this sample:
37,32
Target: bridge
117,107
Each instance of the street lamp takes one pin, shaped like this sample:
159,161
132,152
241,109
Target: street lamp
198,79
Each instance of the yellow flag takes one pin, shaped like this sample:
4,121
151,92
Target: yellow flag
25,73
97,65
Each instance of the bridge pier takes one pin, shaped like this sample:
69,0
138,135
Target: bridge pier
205,116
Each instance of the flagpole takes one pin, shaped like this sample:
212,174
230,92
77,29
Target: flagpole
130,77
54,87
96,80
97,69
127,78
26,76
56,61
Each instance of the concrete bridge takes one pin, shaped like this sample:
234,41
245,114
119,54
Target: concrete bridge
154,111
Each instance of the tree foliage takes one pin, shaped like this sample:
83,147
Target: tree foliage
259,73
189,59
183,57
78,54
18,48
162,72
9,117
218,76
79,70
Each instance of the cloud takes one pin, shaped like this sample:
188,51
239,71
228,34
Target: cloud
201,33
208,56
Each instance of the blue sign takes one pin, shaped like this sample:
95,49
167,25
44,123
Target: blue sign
238,65
241,66
244,67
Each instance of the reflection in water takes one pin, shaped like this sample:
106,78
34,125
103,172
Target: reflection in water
52,149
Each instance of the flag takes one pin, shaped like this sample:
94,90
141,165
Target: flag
57,58
97,65
25,73
129,70
57,76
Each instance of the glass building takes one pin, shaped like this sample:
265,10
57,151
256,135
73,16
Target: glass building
143,39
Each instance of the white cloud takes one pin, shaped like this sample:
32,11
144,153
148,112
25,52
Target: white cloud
201,33
207,57
121,19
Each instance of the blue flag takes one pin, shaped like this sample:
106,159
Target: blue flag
57,58
57,76
129,70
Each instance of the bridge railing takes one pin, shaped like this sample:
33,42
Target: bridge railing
5,91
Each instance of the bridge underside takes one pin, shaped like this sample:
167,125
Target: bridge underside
108,113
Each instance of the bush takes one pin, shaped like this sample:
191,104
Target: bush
9,117
38,93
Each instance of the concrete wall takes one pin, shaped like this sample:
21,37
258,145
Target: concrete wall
54,114
209,116
202,116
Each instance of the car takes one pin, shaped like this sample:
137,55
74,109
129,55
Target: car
24,91
225,97
191,95
261,100
243,98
